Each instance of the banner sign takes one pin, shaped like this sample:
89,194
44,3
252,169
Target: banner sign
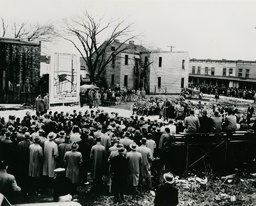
64,78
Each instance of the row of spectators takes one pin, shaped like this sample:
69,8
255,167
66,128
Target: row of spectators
111,96
224,90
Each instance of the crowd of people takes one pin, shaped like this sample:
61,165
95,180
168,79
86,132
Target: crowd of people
37,147
110,96
224,90
105,144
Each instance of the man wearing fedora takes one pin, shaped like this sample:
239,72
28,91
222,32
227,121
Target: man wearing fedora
145,175
98,160
118,170
85,146
61,137
63,148
73,160
134,162
166,193
23,160
51,154
35,162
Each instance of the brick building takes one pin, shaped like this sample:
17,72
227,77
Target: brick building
19,70
231,73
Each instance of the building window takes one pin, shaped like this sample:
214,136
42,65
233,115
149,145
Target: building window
113,60
193,69
113,48
183,64
125,80
159,82
206,70
146,61
230,71
113,80
212,71
240,72
224,72
83,68
182,82
198,70
126,60
247,73
160,62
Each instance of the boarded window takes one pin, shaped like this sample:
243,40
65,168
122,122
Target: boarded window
160,62
159,82
125,80
126,59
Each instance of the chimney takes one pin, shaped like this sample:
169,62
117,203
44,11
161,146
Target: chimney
131,42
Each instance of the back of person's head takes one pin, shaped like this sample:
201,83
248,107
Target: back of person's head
170,121
192,112
167,130
76,129
216,114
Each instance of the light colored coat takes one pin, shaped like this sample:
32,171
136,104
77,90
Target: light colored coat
50,154
98,157
73,159
134,163
35,160
145,161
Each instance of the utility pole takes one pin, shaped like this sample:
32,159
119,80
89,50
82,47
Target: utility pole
171,48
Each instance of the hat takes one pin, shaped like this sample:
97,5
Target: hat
133,146
62,133
74,146
24,129
37,139
204,111
114,139
58,170
121,150
27,135
86,131
51,135
11,128
169,178
143,140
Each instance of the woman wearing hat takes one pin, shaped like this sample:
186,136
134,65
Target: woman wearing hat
73,159
166,193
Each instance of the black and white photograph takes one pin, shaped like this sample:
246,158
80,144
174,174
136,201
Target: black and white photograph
127,102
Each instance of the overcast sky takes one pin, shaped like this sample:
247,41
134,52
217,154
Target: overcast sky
206,29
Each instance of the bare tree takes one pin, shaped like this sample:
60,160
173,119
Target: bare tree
96,54
40,32
4,27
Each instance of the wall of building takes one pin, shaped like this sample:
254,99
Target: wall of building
171,71
246,65
19,71
217,65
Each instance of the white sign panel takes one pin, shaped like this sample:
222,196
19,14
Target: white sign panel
64,78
